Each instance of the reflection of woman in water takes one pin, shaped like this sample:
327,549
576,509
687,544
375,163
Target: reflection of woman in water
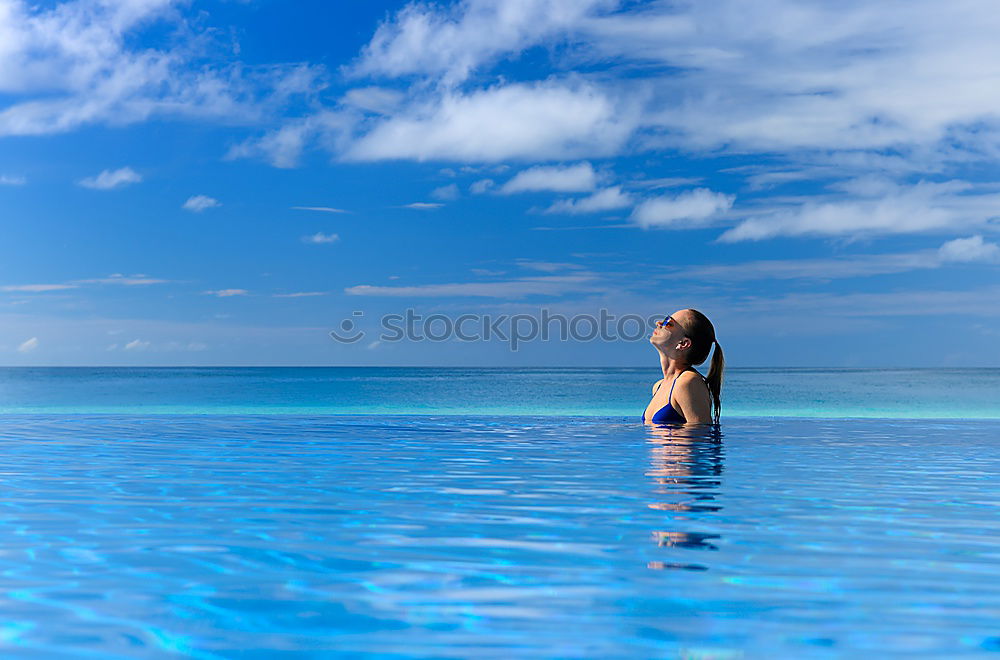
684,339
686,466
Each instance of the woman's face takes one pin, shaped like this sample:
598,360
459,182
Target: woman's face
668,334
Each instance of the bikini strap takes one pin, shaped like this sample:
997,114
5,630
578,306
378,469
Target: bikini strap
671,395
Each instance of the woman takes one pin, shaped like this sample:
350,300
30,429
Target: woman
683,339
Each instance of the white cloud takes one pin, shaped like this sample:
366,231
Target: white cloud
168,346
283,146
542,120
666,182
984,301
301,294
319,238
864,265
379,100
584,227
319,209
970,249
118,278
28,346
518,288
422,206
7,180
37,288
111,179
876,208
451,42
790,75
68,64
193,346
199,203
545,266
809,84
226,293
759,178
574,178
482,186
448,192
690,208
608,199
787,78
961,250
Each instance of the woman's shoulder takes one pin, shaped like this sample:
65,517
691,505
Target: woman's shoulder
691,380
655,385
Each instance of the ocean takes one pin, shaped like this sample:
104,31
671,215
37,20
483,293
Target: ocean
286,513
586,391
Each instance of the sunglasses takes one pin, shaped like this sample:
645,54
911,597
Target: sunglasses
669,322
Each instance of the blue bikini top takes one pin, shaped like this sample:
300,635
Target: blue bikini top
666,414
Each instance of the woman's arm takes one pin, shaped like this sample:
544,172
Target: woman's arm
694,401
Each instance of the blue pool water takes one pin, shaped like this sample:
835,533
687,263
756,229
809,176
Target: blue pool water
135,534
308,536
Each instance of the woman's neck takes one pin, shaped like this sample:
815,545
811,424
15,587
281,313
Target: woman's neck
672,366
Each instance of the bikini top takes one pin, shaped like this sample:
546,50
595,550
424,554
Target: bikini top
666,414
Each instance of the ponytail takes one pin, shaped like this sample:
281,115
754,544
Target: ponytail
714,380
702,334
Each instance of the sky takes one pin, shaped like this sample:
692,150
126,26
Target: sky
226,182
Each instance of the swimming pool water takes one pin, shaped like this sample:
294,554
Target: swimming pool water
265,536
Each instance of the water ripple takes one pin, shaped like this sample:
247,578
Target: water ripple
207,536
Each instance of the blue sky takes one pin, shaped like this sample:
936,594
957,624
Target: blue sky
214,183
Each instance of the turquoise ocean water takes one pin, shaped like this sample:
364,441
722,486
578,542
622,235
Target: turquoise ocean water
222,513
824,393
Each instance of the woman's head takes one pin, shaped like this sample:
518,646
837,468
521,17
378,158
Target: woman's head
687,335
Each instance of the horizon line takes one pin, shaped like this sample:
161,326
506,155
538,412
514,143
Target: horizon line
438,366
